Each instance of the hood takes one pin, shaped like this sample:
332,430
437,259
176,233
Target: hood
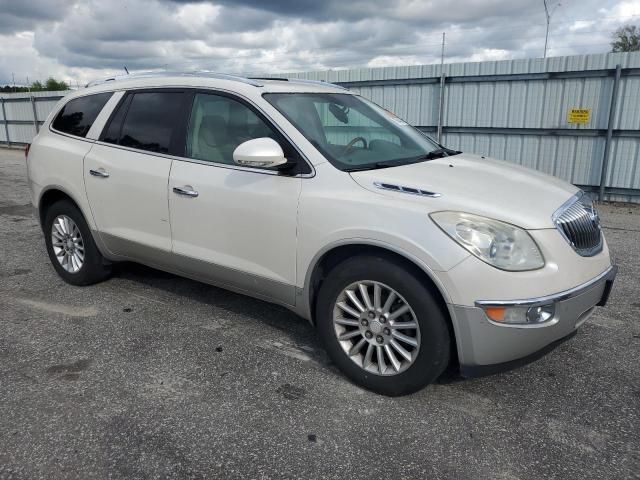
474,184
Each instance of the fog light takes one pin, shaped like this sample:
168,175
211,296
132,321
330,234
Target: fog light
521,315
540,314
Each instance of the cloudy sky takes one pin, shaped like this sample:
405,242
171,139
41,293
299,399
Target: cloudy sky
86,39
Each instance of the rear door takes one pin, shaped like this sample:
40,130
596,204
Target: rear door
233,225
127,171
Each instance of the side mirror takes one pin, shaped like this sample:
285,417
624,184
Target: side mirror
260,152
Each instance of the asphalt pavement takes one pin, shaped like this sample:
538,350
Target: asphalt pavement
149,375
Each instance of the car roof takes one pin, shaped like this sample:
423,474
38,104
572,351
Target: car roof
246,85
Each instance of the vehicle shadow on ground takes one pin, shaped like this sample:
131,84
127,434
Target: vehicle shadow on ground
299,332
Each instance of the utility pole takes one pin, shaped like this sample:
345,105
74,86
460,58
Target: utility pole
548,14
607,144
441,107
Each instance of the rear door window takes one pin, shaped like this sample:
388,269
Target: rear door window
78,115
147,121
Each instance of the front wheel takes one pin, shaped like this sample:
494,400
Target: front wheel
382,326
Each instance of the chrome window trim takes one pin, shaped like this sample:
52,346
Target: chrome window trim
214,164
608,274
204,162
75,137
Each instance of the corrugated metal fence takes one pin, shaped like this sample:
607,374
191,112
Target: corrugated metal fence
21,115
516,110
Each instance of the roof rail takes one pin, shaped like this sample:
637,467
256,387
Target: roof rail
221,76
300,80
317,82
281,79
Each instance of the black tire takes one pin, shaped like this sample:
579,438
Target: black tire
433,355
94,268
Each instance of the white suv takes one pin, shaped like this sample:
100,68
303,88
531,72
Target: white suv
408,257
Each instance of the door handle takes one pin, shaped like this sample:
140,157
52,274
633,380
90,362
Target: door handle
99,173
187,191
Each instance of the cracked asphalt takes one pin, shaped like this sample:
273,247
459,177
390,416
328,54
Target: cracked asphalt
149,375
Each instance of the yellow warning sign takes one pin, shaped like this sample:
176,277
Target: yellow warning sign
579,115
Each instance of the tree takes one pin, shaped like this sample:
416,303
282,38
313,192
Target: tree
53,85
12,89
626,39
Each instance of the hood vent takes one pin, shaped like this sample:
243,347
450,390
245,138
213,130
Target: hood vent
403,189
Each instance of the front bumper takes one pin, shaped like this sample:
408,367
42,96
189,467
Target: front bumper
485,347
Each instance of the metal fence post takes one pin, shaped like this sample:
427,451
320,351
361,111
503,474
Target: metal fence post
35,115
607,144
441,107
6,124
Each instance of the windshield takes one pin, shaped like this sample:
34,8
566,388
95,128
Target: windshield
354,133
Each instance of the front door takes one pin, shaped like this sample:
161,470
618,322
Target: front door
232,225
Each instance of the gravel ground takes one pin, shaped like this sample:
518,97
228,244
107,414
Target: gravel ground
153,376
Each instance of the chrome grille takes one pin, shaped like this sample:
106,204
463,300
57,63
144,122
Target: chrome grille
579,223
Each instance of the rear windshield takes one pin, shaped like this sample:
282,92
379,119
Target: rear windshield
77,116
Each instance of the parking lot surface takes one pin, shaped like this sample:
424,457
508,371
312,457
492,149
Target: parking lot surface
149,375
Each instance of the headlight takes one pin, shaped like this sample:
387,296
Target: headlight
500,244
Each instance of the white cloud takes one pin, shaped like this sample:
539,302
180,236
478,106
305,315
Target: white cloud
489,54
82,40
582,25
627,9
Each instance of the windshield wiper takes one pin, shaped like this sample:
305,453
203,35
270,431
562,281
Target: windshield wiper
433,154
439,153
374,166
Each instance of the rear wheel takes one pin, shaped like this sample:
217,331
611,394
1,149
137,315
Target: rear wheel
382,326
70,246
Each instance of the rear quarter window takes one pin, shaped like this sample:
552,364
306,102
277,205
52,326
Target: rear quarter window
78,115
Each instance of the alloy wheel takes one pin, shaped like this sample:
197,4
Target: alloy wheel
67,243
376,327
